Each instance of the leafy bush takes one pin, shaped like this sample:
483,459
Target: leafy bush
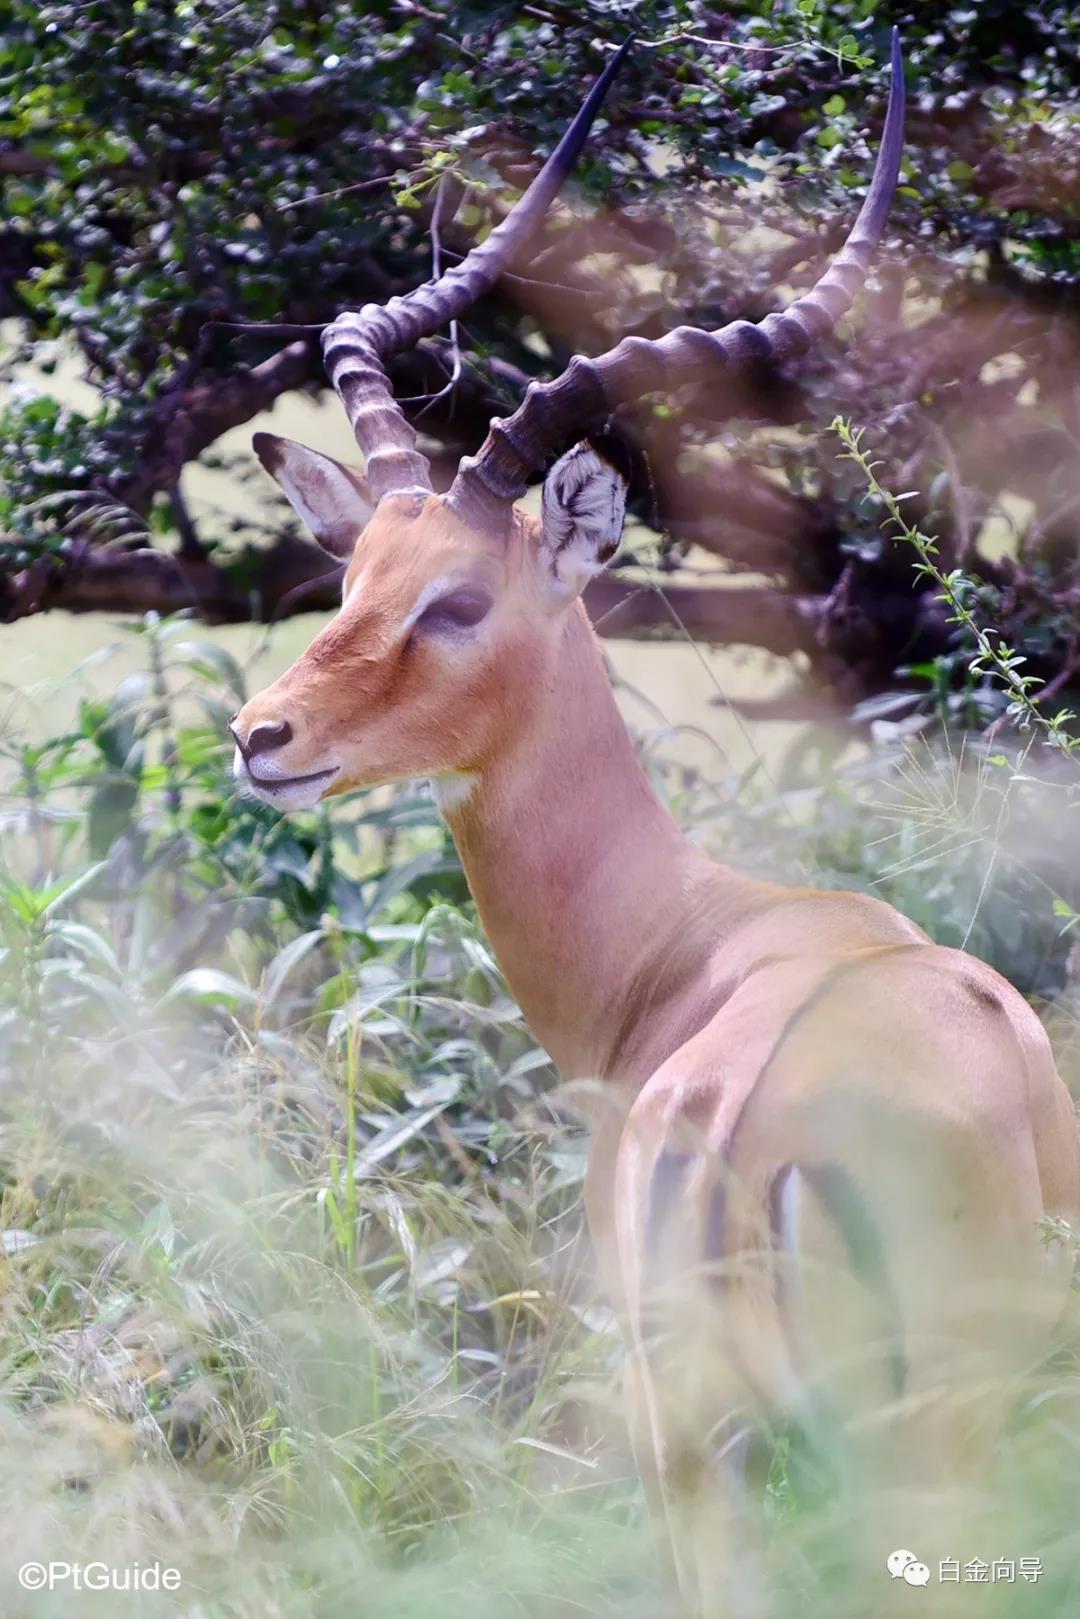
165,165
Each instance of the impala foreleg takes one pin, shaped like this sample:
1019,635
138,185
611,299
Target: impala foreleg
695,1414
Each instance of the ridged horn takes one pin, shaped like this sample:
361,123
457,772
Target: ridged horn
554,412
358,344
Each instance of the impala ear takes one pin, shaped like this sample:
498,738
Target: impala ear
332,499
581,516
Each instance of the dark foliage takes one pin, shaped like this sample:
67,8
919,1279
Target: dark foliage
164,165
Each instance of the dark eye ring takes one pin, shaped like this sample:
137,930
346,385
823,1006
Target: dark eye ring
460,610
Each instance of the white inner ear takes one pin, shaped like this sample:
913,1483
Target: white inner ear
581,516
329,497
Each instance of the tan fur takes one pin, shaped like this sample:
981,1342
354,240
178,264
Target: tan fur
737,1024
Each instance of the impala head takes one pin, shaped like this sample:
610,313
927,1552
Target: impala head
454,605
443,633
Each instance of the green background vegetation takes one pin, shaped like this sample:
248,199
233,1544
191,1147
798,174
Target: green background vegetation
292,1288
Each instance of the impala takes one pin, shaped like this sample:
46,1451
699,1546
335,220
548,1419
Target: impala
817,1192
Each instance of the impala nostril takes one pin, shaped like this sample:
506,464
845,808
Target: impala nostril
265,737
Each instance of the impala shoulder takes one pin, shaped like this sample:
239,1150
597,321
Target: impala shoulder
818,924
865,919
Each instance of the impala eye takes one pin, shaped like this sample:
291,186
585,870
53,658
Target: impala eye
460,610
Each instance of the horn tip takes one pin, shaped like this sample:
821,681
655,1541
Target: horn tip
618,57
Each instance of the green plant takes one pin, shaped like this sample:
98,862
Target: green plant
970,607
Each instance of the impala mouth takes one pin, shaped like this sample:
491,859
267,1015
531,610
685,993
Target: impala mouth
286,792
273,783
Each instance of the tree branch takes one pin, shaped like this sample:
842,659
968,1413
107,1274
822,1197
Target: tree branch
190,419
754,617
295,577
253,586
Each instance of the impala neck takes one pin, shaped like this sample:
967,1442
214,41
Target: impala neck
592,899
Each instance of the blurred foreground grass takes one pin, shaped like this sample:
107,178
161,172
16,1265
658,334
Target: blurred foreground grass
294,1297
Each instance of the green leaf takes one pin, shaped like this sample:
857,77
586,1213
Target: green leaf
213,663
87,942
211,986
69,888
285,960
109,814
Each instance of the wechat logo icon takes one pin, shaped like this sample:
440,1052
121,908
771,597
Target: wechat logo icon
904,1565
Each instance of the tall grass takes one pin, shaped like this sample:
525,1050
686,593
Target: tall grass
294,1297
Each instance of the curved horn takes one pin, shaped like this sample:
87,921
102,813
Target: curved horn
488,483
358,344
